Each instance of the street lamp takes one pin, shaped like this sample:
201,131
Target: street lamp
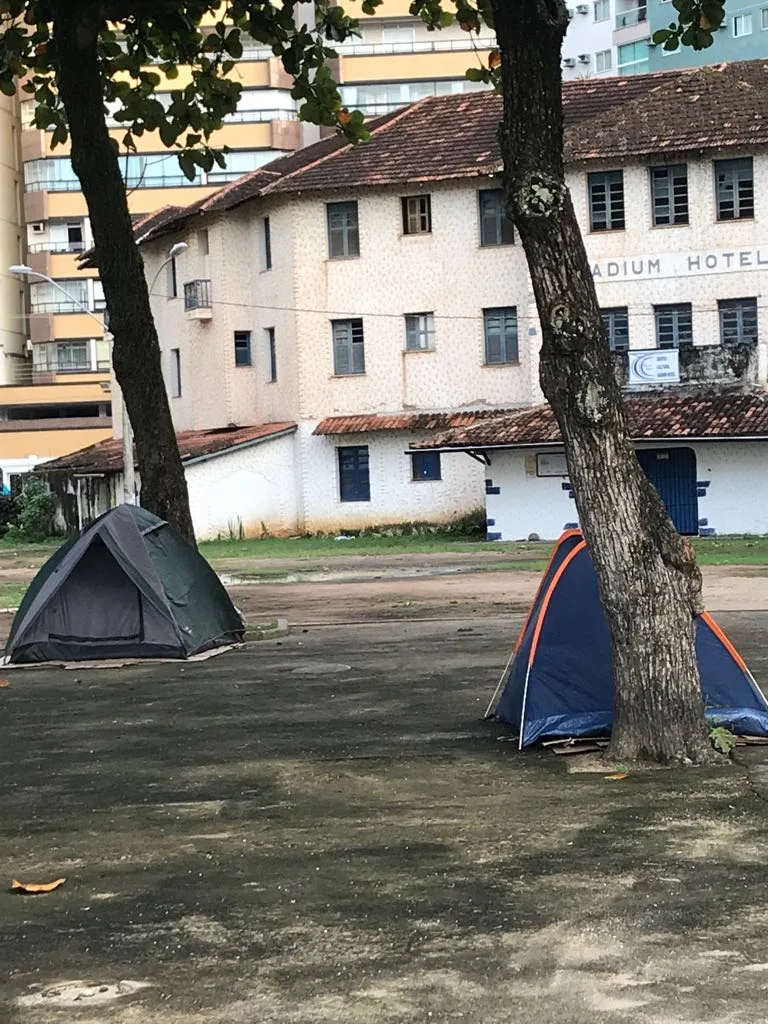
173,252
129,471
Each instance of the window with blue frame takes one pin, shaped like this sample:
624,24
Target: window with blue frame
354,477
425,465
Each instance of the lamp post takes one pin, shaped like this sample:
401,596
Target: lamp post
129,469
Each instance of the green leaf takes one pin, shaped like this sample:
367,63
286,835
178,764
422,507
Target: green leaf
477,74
168,133
7,87
60,136
661,35
188,165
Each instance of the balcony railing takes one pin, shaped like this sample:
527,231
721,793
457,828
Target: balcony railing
59,306
57,247
197,294
28,374
634,16
470,42
258,116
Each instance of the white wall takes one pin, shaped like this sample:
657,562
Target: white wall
395,496
255,486
445,272
698,263
736,499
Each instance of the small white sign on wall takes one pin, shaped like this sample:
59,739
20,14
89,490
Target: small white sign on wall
654,366
550,464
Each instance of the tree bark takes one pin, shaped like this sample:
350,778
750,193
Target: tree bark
650,585
136,351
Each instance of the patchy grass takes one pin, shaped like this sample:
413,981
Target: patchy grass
731,550
310,547
11,594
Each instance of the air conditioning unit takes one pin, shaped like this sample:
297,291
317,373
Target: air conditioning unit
569,62
584,58
583,8
38,228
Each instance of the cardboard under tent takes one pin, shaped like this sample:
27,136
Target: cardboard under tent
559,681
129,586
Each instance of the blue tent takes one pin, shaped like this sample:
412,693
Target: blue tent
560,680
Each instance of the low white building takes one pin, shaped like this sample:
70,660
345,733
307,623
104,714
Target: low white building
375,295
704,454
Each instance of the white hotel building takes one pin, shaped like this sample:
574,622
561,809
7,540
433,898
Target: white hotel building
344,303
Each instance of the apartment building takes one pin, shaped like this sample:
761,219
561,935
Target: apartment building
61,383
742,36
345,303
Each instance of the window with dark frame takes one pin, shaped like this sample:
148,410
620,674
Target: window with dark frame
674,325
75,237
734,189
242,348
354,474
348,347
176,372
266,233
343,231
419,332
500,335
172,283
738,320
669,195
606,200
425,466
616,322
417,215
495,226
271,354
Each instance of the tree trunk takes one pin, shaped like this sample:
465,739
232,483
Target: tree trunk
136,352
650,584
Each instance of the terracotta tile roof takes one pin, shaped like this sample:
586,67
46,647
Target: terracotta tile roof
366,424
107,456
723,106
670,417
448,137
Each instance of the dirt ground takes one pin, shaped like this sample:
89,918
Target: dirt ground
413,588
320,830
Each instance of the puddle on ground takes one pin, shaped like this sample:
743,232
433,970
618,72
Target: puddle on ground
79,993
350,576
320,668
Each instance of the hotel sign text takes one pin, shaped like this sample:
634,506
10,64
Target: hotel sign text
680,264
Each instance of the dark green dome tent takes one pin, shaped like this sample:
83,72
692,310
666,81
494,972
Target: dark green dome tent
129,586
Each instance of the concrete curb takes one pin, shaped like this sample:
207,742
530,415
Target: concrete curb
254,633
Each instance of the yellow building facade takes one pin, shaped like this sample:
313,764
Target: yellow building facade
61,360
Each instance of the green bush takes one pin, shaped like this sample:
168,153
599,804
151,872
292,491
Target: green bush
36,512
9,512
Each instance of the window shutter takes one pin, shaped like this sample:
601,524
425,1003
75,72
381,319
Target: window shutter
341,347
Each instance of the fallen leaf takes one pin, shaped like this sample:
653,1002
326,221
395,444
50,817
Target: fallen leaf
31,888
617,776
4,682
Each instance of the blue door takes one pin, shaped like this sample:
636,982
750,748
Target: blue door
672,471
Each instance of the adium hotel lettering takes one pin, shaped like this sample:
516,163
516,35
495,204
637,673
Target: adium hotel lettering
681,264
